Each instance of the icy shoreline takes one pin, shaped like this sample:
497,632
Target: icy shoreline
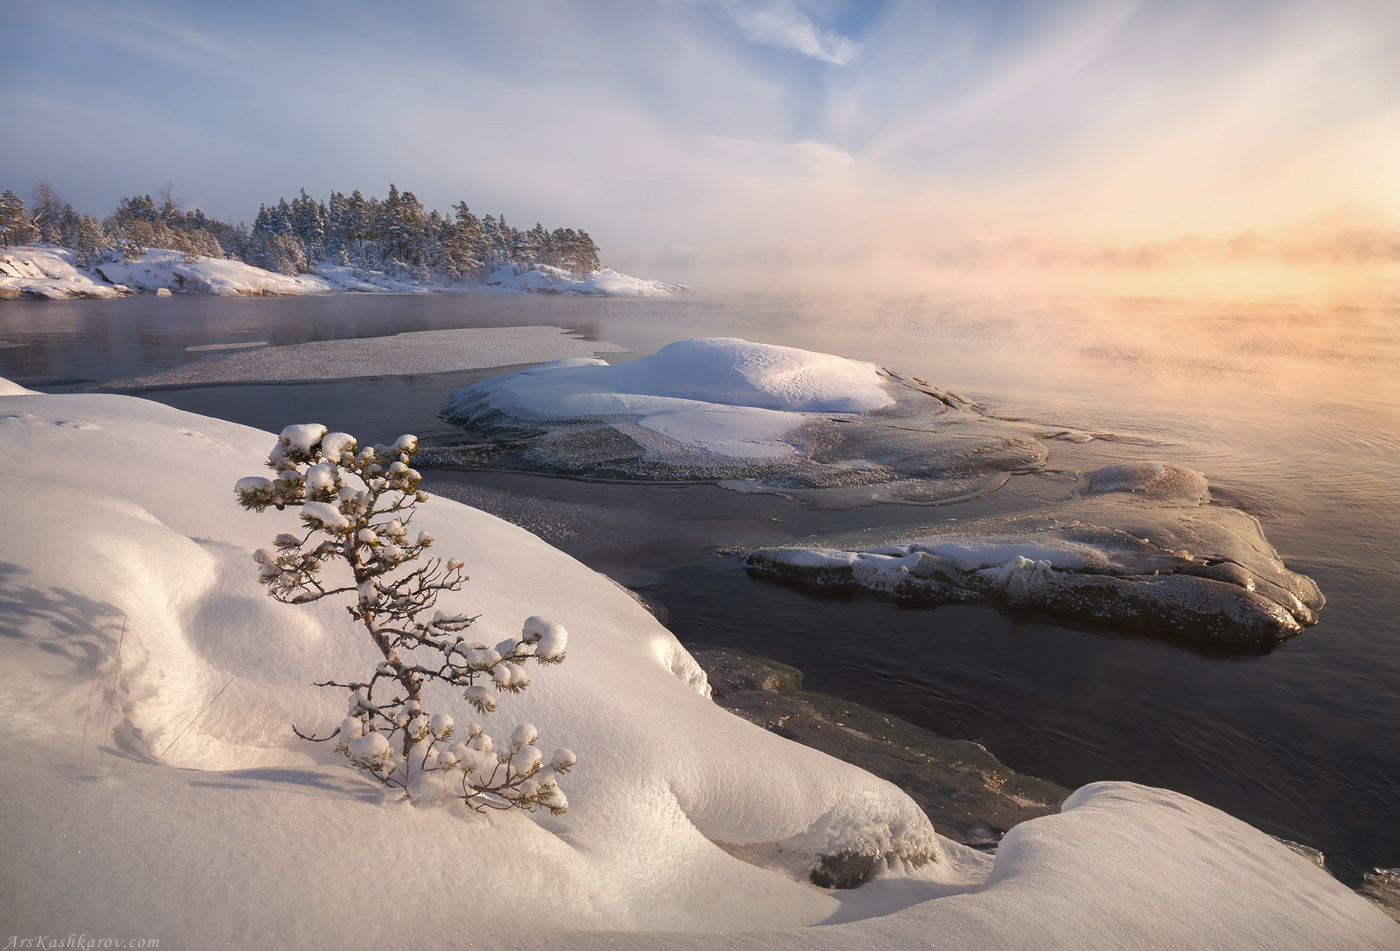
44,272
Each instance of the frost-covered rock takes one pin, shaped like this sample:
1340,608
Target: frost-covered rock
723,408
1140,549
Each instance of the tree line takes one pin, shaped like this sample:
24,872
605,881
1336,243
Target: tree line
396,236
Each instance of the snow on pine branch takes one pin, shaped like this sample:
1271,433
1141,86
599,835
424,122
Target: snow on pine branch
356,507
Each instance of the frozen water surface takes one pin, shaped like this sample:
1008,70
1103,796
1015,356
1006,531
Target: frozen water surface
427,351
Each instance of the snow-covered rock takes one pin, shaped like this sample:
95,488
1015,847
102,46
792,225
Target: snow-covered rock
47,273
725,408
158,270
129,585
1139,548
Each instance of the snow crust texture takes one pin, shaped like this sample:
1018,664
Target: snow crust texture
48,273
427,351
722,408
1139,549
668,791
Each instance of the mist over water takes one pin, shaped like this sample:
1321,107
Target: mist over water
1292,412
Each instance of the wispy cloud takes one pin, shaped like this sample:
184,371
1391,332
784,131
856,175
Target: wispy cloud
780,23
1086,135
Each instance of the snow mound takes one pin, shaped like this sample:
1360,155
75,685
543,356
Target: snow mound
47,273
147,556
1140,551
426,351
725,408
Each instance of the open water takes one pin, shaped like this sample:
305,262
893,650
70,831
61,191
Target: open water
1292,412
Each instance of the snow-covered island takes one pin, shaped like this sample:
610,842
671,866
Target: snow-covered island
153,771
44,272
306,246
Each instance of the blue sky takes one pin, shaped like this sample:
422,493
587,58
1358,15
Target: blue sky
697,136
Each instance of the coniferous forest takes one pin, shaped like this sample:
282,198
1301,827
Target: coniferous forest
397,235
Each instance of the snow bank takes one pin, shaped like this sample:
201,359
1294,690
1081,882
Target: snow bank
668,791
721,407
47,273
427,351
1139,549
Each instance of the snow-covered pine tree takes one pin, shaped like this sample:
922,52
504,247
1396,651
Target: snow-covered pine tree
586,255
468,242
15,226
356,509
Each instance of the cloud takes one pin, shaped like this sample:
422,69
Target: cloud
1080,137
780,23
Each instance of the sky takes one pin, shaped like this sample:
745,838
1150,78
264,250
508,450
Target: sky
750,143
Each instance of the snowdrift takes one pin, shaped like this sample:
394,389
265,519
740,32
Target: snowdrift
123,538
721,408
1139,549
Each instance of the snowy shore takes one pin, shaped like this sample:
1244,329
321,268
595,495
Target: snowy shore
685,820
44,272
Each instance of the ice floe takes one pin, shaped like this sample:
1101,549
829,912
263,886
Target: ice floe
1139,548
426,351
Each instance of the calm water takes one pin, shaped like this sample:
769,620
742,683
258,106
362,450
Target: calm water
1292,412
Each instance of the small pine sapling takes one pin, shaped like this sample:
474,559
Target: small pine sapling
356,508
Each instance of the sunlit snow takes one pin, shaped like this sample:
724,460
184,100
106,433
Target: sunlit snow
669,788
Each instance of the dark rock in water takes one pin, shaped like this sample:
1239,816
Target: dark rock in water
1139,549
967,794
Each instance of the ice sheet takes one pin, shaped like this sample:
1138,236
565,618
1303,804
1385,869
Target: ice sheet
427,351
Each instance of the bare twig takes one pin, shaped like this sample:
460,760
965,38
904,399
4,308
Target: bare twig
123,753
92,684
187,726
113,700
